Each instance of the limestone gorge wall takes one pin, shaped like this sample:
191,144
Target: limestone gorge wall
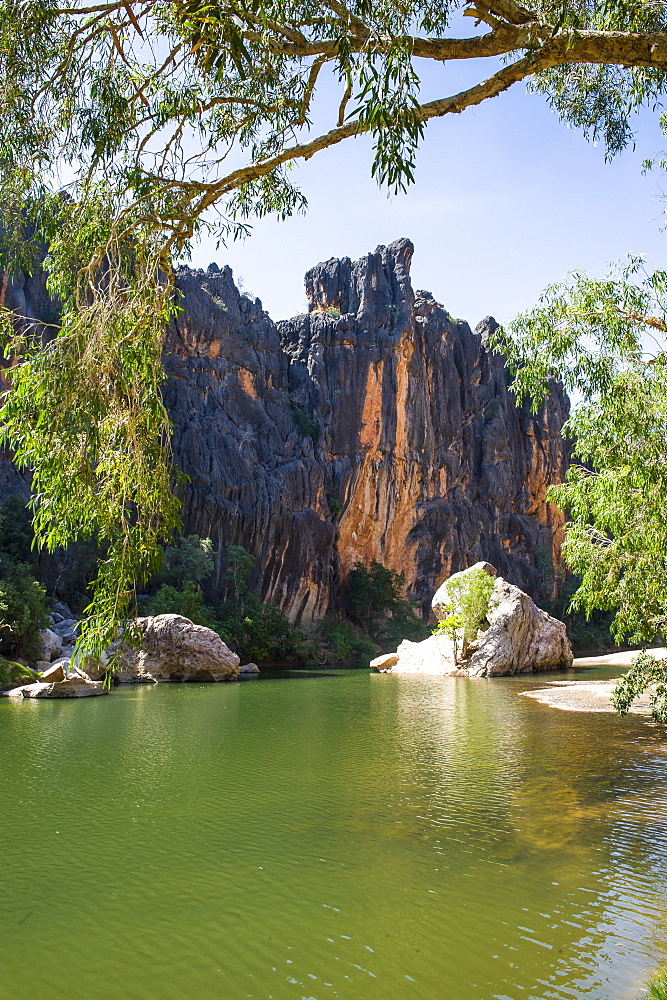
374,427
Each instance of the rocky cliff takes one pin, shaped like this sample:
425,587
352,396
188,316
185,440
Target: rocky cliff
375,427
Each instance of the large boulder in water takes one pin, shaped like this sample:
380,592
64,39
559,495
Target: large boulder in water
516,638
174,649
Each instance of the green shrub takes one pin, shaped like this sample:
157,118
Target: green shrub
238,567
335,506
333,311
15,675
186,601
261,633
16,533
340,641
374,600
469,595
306,425
190,560
451,627
23,612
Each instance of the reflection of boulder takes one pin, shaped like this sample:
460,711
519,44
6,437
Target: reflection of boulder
517,637
174,649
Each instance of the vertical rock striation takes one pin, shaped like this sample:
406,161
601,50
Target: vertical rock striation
375,427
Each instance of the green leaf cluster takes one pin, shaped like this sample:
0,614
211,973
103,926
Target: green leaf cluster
605,340
645,672
192,560
306,424
469,596
451,626
23,613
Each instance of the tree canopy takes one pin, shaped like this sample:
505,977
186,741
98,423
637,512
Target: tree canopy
127,127
606,340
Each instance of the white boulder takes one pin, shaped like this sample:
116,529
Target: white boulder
517,637
174,649
521,638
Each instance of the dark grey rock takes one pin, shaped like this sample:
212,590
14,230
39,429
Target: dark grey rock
61,611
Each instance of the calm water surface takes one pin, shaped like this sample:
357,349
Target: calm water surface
353,836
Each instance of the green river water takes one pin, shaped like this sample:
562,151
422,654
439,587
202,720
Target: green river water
346,835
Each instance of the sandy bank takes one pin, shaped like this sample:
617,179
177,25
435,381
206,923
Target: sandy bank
623,659
584,696
593,696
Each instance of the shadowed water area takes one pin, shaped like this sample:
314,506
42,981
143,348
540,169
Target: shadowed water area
343,835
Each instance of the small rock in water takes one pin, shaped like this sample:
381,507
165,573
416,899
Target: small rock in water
71,687
384,663
249,668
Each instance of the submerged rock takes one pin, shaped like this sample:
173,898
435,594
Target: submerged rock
174,649
517,638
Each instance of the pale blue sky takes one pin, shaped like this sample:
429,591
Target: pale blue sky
507,200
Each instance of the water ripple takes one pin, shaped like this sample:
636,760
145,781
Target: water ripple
362,837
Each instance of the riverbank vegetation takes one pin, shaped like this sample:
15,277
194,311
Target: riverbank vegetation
23,600
374,615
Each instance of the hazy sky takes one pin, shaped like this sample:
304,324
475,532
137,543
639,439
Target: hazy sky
507,200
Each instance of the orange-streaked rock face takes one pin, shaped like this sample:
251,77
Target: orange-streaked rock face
375,427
